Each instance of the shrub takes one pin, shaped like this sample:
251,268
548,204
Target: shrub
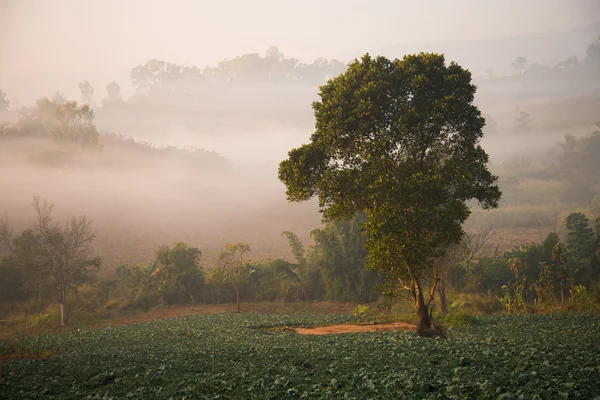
460,319
360,310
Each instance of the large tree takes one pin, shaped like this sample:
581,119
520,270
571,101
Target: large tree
398,140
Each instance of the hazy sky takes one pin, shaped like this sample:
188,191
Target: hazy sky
44,43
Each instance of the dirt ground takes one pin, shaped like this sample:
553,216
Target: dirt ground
351,328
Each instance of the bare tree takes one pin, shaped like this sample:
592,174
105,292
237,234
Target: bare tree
463,252
475,242
62,250
454,255
231,259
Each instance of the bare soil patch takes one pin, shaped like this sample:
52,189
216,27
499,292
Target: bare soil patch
352,328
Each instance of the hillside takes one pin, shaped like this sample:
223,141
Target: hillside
497,54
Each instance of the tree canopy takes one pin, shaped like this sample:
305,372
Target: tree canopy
398,140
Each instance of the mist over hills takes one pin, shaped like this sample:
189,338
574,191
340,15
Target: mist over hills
493,56
192,154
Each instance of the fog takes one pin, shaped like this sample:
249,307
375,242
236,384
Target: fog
190,148
49,45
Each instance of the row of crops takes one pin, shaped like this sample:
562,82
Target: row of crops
508,357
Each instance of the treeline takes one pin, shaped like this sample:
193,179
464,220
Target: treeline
53,262
268,87
69,125
157,75
242,91
591,61
536,276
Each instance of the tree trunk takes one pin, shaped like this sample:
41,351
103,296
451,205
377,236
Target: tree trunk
422,309
237,298
443,300
63,308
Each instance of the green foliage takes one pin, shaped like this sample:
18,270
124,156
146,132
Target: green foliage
513,299
12,349
12,282
174,277
296,246
340,255
360,310
64,122
231,259
398,140
456,305
234,269
489,273
178,276
55,252
580,246
460,320
533,356
582,300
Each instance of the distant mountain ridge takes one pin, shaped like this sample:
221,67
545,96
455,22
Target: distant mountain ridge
497,53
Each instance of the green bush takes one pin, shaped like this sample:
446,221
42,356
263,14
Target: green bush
460,319
360,310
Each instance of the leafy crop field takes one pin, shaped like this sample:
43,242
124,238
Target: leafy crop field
509,357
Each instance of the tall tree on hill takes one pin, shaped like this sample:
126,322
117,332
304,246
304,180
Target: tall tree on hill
398,140
87,92
113,90
519,64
